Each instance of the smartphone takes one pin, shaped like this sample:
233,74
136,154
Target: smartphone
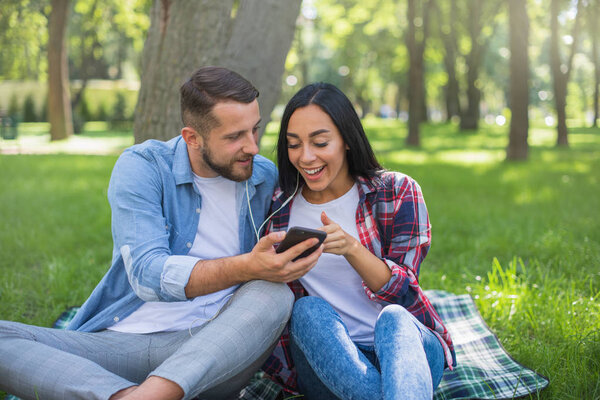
297,234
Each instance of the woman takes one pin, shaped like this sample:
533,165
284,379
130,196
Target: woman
361,328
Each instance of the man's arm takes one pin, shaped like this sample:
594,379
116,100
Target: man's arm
262,262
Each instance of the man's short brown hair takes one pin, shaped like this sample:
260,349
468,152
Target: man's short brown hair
205,88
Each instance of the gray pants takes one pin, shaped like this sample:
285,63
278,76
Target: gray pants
216,361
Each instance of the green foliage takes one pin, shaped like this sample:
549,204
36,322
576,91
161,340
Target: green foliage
120,119
106,35
29,114
23,39
522,238
14,110
102,113
81,114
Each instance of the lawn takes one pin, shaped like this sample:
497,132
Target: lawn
523,238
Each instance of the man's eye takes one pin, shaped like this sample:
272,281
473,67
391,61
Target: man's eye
256,129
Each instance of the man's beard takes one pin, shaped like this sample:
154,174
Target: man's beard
227,170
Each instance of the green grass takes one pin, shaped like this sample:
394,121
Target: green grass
523,238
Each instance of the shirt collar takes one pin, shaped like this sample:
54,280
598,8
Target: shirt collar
365,187
182,169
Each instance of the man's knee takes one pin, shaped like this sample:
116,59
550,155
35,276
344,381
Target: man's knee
15,330
277,298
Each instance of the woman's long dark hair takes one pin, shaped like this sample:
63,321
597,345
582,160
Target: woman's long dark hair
361,159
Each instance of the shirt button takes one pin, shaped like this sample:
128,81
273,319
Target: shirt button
166,226
116,319
189,245
197,211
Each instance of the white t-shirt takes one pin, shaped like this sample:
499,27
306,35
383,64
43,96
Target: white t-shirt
217,236
333,279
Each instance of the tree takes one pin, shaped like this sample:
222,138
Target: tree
23,39
59,105
519,80
415,43
561,71
593,26
252,38
449,39
477,20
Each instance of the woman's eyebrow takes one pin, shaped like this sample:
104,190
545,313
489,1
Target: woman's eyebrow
312,134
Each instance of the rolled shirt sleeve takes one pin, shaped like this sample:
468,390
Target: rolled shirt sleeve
408,238
141,231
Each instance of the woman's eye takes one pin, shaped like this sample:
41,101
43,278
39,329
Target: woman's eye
321,144
292,146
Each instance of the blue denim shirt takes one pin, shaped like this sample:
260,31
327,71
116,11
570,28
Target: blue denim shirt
155,212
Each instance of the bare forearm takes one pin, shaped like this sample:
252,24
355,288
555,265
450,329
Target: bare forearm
371,269
209,276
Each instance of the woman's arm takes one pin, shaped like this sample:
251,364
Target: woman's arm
374,272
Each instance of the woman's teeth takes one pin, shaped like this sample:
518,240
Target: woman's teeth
313,171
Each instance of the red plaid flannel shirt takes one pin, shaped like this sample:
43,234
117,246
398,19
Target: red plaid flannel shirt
393,223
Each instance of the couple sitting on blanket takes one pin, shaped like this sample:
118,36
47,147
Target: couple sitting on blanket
195,302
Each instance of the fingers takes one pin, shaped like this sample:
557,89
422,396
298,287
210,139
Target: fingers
325,219
297,269
266,242
298,249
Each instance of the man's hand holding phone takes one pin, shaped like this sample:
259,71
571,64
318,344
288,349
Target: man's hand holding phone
301,249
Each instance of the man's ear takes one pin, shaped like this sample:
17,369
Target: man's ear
192,138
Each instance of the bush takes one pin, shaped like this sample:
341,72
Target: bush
14,111
29,114
120,119
78,122
101,113
44,110
84,109
81,114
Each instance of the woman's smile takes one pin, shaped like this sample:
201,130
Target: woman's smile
316,149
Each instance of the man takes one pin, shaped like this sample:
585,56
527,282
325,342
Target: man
192,304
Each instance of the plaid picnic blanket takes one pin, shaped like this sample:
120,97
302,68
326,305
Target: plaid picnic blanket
484,370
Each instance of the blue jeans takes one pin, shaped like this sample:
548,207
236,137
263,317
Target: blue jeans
407,360
215,361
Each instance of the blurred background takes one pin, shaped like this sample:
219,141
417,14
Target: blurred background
491,105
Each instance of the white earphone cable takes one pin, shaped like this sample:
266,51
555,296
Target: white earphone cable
257,231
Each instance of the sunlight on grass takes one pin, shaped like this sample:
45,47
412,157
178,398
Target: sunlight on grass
471,156
34,138
522,238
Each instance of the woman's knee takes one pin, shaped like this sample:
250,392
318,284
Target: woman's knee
306,308
395,317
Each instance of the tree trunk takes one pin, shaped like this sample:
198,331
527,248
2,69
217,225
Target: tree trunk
450,45
470,117
262,36
559,80
59,105
184,36
560,70
519,80
416,70
593,23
